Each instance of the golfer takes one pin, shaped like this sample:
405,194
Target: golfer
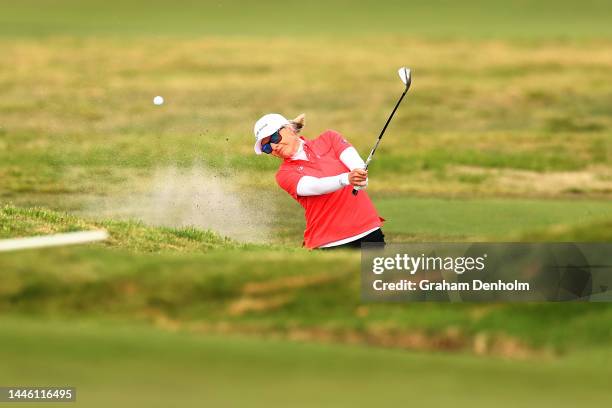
320,174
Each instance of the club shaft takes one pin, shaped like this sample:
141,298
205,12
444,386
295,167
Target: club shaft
382,132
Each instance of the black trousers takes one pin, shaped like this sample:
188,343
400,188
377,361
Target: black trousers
374,236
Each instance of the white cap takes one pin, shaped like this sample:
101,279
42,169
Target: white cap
267,125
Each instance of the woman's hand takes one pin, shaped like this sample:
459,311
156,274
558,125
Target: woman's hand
358,178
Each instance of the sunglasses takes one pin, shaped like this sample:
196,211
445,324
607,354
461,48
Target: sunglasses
274,138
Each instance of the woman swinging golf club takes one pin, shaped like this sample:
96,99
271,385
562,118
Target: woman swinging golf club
321,174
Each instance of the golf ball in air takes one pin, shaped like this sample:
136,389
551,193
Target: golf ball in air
158,100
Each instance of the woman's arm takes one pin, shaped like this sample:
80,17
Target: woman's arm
351,159
309,186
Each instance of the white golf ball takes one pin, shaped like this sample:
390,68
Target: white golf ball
158,100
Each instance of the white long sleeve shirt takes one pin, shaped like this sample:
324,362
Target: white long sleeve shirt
309,186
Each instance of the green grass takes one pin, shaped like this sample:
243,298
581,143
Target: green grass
132,365
132,235
407,219
441,18
467,219
505,135
190,278
434,219
78,116
590,232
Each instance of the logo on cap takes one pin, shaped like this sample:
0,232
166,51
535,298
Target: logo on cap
261,128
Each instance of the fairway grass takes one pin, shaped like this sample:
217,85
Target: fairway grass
120,364
485,219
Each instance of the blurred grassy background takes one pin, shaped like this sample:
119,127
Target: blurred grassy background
436,18
506,135
119,364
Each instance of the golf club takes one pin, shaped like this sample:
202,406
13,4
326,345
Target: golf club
404,74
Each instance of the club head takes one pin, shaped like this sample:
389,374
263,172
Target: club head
404,74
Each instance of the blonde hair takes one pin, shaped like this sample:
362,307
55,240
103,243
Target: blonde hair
298,123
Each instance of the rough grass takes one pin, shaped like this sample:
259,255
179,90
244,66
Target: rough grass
309,296
130,235
194,280
77,116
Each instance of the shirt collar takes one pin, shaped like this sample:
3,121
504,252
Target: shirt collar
301,153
